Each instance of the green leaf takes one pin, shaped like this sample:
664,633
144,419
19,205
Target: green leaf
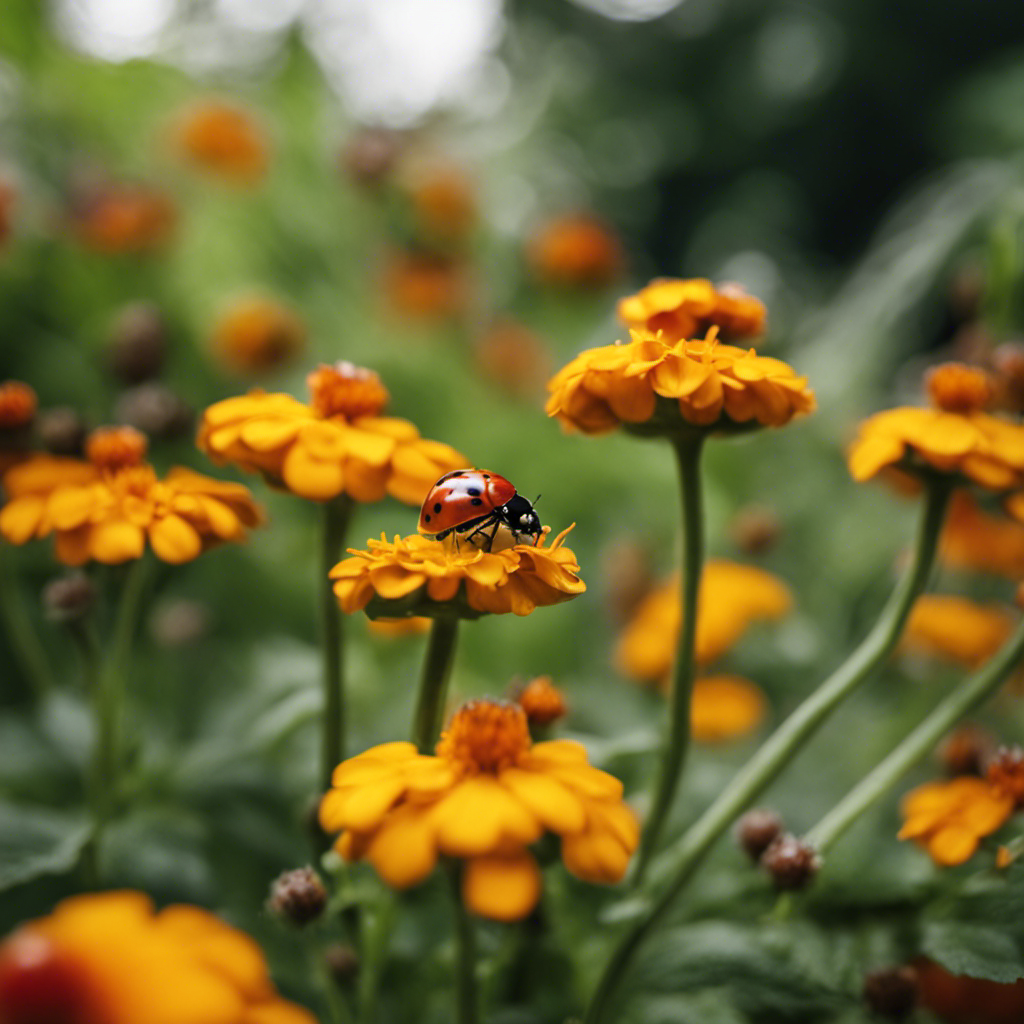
38,841
976,950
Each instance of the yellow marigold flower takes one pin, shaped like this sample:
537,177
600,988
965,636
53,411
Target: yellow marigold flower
972,539
956,628
109,959
725,708
950,818
256,334
224,139
689,308
123,218
956,436
416,576
657,386
732,597
109,507
575,251
337,444
542,701
484,798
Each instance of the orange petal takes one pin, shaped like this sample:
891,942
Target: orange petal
502,888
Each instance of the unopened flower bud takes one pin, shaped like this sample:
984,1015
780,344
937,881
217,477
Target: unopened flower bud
756,831
1006,773
891,992
298,896
62,431
542,701
791,862
755,529
69,598
966,751
155,410
342,962
138,343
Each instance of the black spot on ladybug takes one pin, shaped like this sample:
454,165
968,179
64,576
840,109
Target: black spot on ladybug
437,507
426,518
473,490
476,501
487,476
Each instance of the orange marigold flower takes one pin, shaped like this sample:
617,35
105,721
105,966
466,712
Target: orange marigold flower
957,629
542,701
99,959
337,444
732,597
443,202
425,286
950,818
972,539
123,218
689,308
107,509
575,251
224,139
654,386
725,708
484,798
956,436
256,334
417,576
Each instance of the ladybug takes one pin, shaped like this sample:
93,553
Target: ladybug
476,503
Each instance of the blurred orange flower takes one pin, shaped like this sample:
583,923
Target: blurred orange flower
18,404
542,701
972,539
574,251
337,444
689,308
109,959
425,285
957,629
724,708
427,577
732,597
109,507
660,387
484,798
255,334
123,218
955,436
951,818
224,139
514,358
443,203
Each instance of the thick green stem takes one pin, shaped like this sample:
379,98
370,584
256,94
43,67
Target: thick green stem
688,452
336,515
466,997
779,749
972,692
437,668
25,645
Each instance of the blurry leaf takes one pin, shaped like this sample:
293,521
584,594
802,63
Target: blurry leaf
973,949
37,841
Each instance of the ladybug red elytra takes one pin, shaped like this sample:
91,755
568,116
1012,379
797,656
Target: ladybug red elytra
476,503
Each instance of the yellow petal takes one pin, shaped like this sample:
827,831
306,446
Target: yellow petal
173,540
116,541
952,845
554,806
404,851
502,888
479,816
311,478
20,518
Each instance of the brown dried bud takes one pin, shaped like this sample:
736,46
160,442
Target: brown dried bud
966,751
755,529
69,598
370,155
138,343
62,431
791,862
155,410
1006,773
756,831
298,896
342,962
891,992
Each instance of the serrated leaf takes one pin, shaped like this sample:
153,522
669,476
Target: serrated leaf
38,841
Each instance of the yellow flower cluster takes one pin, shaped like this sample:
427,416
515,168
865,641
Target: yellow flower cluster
484,798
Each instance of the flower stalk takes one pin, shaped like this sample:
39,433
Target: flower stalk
437,668
682,861
22,637
971,693
466,996
688,448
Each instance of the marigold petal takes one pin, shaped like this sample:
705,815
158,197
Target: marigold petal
393,582
310,477
557,752
588,781
277,1011
595,857
173,540
116,541
555,806
366,805
69,507
365,483
479,816
73,547
404,850
952,845
501,888
20,518
871,454
265,435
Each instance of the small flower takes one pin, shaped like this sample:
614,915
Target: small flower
725,708
732,597
689,308
653,386
101,958
443,203
224,139
123,218
417,576
108,508
512,357
337,444
955,437
972,539
424,286
957,629
791,862
256,334
542,701
487,795
950,818
575,251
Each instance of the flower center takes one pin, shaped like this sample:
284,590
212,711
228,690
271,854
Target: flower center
954,387
115,448
346,390
485,736
17,405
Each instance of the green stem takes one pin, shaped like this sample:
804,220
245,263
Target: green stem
972,692
466,998
688,452
24,642
335,525
437,668
780,748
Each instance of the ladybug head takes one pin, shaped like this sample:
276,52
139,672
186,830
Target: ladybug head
520,517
